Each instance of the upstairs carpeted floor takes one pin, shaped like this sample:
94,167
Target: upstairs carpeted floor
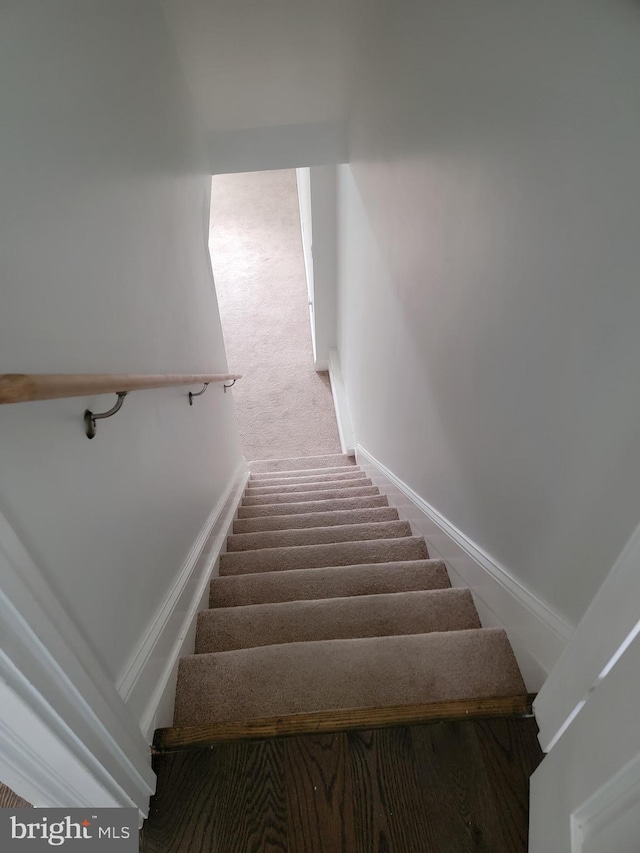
284,406
327,602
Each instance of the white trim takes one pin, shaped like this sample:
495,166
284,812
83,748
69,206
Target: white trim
617,798
40,765
537,634
341,404
586,791
610,624
321,366
147,675
47,664
303,185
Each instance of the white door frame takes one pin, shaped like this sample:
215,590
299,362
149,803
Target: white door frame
585,796
303,183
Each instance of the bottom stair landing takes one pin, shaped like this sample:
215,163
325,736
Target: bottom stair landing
328,614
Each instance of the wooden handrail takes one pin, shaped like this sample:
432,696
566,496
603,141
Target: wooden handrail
24,387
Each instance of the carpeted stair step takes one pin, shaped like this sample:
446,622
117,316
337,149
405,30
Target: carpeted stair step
318,556
351,474
321,486
375,672
394,614
329,582
315,519
300,463
301,472
318,535
304,507
315,495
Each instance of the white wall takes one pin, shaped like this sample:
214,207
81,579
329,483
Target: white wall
104,268
265,148
489,257
255,65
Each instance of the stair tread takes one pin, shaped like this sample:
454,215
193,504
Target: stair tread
306,506
315,495
314,486
332,674
415,612
317,556
300,463
307,520
328,582
318,535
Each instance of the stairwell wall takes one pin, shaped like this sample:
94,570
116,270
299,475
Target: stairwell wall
105,269
488,296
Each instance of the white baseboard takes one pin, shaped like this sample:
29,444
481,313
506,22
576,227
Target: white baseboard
321,365
148,679
341,405
537,634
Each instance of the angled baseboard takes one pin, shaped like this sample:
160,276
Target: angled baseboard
537,634
341,405
147,681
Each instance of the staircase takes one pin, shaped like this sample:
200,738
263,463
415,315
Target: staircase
326,604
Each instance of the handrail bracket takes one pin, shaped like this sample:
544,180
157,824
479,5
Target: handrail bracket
197,394
90,418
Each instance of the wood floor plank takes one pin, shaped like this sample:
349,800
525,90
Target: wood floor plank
389,808
224,800
464,816
319,800
510,753
10,800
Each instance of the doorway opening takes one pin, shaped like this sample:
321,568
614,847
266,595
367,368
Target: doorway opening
284,405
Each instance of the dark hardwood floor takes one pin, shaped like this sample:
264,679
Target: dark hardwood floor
10,800
455,787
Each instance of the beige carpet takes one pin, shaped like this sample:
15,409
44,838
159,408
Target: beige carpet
284,407
347,614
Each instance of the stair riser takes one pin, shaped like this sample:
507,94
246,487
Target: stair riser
315,519
304,507
335,619
330,485
305,497
308,472
352,474
318,536
318,556
332,582
300,463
